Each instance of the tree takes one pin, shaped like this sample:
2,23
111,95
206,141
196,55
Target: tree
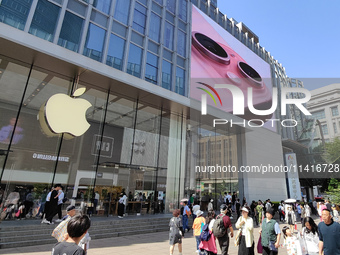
334,191
332,152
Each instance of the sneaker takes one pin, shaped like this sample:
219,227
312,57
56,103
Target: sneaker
59,220
45,221
120,217
50,223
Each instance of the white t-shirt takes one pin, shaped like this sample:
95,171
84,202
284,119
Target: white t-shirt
211,224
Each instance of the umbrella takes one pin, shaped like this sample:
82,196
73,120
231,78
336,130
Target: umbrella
290,200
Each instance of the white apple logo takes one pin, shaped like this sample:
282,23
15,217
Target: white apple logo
65,114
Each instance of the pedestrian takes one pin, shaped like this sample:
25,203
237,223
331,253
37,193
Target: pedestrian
195,208
209,246
308,211
95,201
28,203
246,227
238,208
121,206
281,211
77,227
329,234
197,227
61,196
223,240
298,209
270,234
42,203
60,231
310,236
53,205
176,232
303,214
259,210
233,201
291,243
290,218
321,207
210,205
268,205
185,216
335,213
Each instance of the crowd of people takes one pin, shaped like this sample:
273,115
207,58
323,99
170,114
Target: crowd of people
216,228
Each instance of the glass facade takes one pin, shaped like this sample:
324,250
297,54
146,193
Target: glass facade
15,12
126,148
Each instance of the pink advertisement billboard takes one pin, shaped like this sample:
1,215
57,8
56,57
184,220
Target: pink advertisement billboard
226,72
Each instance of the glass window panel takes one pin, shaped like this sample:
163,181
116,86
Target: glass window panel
44,20
181,43
153,47
167,55
159,1
183,6
182,25
143,2
70,31
169,17
156,8
171,5
137,38
319,114
180,81
116,52
134,60
122,11
119,29
169,35
180,61
77,7
151,70
102,5
14,13
335,127
324,129
139,18
204,7
335,111
166,75
99,18
94,42
155,27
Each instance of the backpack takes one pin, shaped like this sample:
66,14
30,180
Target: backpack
219,229
205,234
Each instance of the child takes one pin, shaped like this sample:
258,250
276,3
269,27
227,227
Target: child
197,226
76,229
291,242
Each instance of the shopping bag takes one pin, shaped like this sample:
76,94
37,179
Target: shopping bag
259,246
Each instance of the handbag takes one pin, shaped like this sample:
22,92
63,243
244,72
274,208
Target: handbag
238,238
259,246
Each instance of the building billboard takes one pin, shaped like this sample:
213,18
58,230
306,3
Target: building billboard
219,59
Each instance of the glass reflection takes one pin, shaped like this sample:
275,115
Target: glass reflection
94,42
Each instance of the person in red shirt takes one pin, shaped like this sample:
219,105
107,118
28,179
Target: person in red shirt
224,240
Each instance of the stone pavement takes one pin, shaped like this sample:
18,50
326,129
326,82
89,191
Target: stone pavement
148,244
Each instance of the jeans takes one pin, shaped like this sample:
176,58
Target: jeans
198,240
185,222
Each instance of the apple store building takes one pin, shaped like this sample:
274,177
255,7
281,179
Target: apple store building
99,96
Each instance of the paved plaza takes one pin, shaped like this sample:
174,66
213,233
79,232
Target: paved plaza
148,244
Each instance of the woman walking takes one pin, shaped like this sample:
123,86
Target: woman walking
209,246
311,237
259,209
245,225
197,226
176,232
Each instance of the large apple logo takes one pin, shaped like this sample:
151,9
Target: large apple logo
65,114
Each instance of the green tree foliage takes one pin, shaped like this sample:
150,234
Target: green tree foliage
334,191
332,152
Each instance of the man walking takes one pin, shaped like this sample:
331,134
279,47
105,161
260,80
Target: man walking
185,215
270,234
224,240
329,234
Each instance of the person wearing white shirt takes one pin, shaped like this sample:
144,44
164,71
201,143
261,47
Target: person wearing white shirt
246,226
195,208
61,196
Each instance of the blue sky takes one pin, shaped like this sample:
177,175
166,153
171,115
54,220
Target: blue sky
303,35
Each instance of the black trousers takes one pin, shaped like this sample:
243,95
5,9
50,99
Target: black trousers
242,249
60,215
224,244
266,251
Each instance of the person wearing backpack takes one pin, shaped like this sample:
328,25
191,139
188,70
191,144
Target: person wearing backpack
220,229
246,226
208,242
176,232
197,227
